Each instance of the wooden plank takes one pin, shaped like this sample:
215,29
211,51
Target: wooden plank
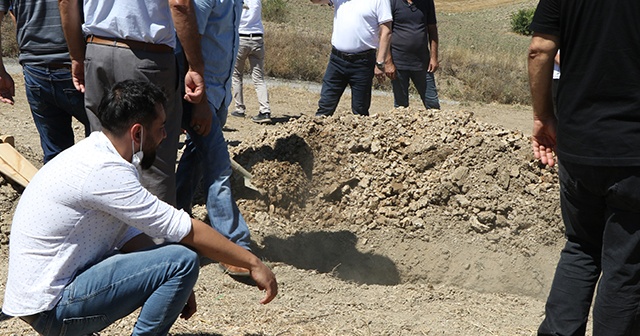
15,166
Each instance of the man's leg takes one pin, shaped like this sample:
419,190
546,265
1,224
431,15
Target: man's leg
238,72
256,61
333,84
427,88
583,213
53,122
616,306
400,87
159,280
209,159
361,81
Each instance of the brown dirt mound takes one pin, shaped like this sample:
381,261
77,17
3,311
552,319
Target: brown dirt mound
422,173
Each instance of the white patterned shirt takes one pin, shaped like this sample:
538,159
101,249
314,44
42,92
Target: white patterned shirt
77,210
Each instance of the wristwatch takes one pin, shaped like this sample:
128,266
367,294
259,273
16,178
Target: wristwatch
380,65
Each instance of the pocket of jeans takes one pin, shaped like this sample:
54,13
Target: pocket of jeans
33,97
83,325
75,98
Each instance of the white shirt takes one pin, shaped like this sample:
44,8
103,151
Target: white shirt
251,19
77,209
356,24
137,20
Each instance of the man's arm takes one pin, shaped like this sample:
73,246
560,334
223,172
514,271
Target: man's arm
383,50
7,86
208,242
432,30
542,51
72,27
186,24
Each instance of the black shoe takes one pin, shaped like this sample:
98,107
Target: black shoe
238,114
262,118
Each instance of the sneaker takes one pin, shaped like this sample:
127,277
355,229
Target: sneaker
238,114
262,118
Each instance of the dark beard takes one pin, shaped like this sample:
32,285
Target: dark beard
147,159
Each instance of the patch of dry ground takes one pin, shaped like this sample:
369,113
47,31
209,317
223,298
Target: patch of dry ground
408,222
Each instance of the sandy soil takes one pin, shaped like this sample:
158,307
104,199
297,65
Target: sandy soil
409,222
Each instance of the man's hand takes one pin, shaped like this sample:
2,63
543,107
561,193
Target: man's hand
189,308
7,87
379,74
433,65
543,140
194,87
390,69
201,117
266,280
77,74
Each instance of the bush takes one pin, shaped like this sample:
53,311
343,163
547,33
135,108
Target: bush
521,20
275,11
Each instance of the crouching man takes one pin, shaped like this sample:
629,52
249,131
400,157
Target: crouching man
81,254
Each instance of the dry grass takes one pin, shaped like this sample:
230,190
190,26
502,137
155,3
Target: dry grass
481,60
8,33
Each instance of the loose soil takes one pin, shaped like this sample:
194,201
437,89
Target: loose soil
407,222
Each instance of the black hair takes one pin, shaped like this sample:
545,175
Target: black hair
127,103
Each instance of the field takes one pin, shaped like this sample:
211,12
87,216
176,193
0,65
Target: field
409,222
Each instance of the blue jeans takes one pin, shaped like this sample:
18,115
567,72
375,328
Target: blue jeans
159,280
356,73
54,101
207,159
601,213
425,84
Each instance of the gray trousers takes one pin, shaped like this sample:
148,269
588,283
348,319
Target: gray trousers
106,65
253,49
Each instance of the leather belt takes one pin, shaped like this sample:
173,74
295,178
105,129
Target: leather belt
128,44
251,35
52,66
30,318
353,57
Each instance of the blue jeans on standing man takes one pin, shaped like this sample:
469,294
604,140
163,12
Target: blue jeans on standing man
206,159
353,70
425,84
601,213
159,280
54,101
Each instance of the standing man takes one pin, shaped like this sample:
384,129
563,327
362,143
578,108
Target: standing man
252,47
206,156
47,74
414,51
134,39
359,28
595,136
81,254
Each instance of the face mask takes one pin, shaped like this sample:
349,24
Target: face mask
139,155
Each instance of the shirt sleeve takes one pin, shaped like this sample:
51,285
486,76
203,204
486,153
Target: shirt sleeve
114,189
384,11
203,10
546,19
4,6
431,13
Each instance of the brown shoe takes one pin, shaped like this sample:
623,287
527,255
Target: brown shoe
234,270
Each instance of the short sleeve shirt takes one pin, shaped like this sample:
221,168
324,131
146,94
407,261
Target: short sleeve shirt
356,24
599,90
78,209
410,38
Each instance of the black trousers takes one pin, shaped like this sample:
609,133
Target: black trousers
601,213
